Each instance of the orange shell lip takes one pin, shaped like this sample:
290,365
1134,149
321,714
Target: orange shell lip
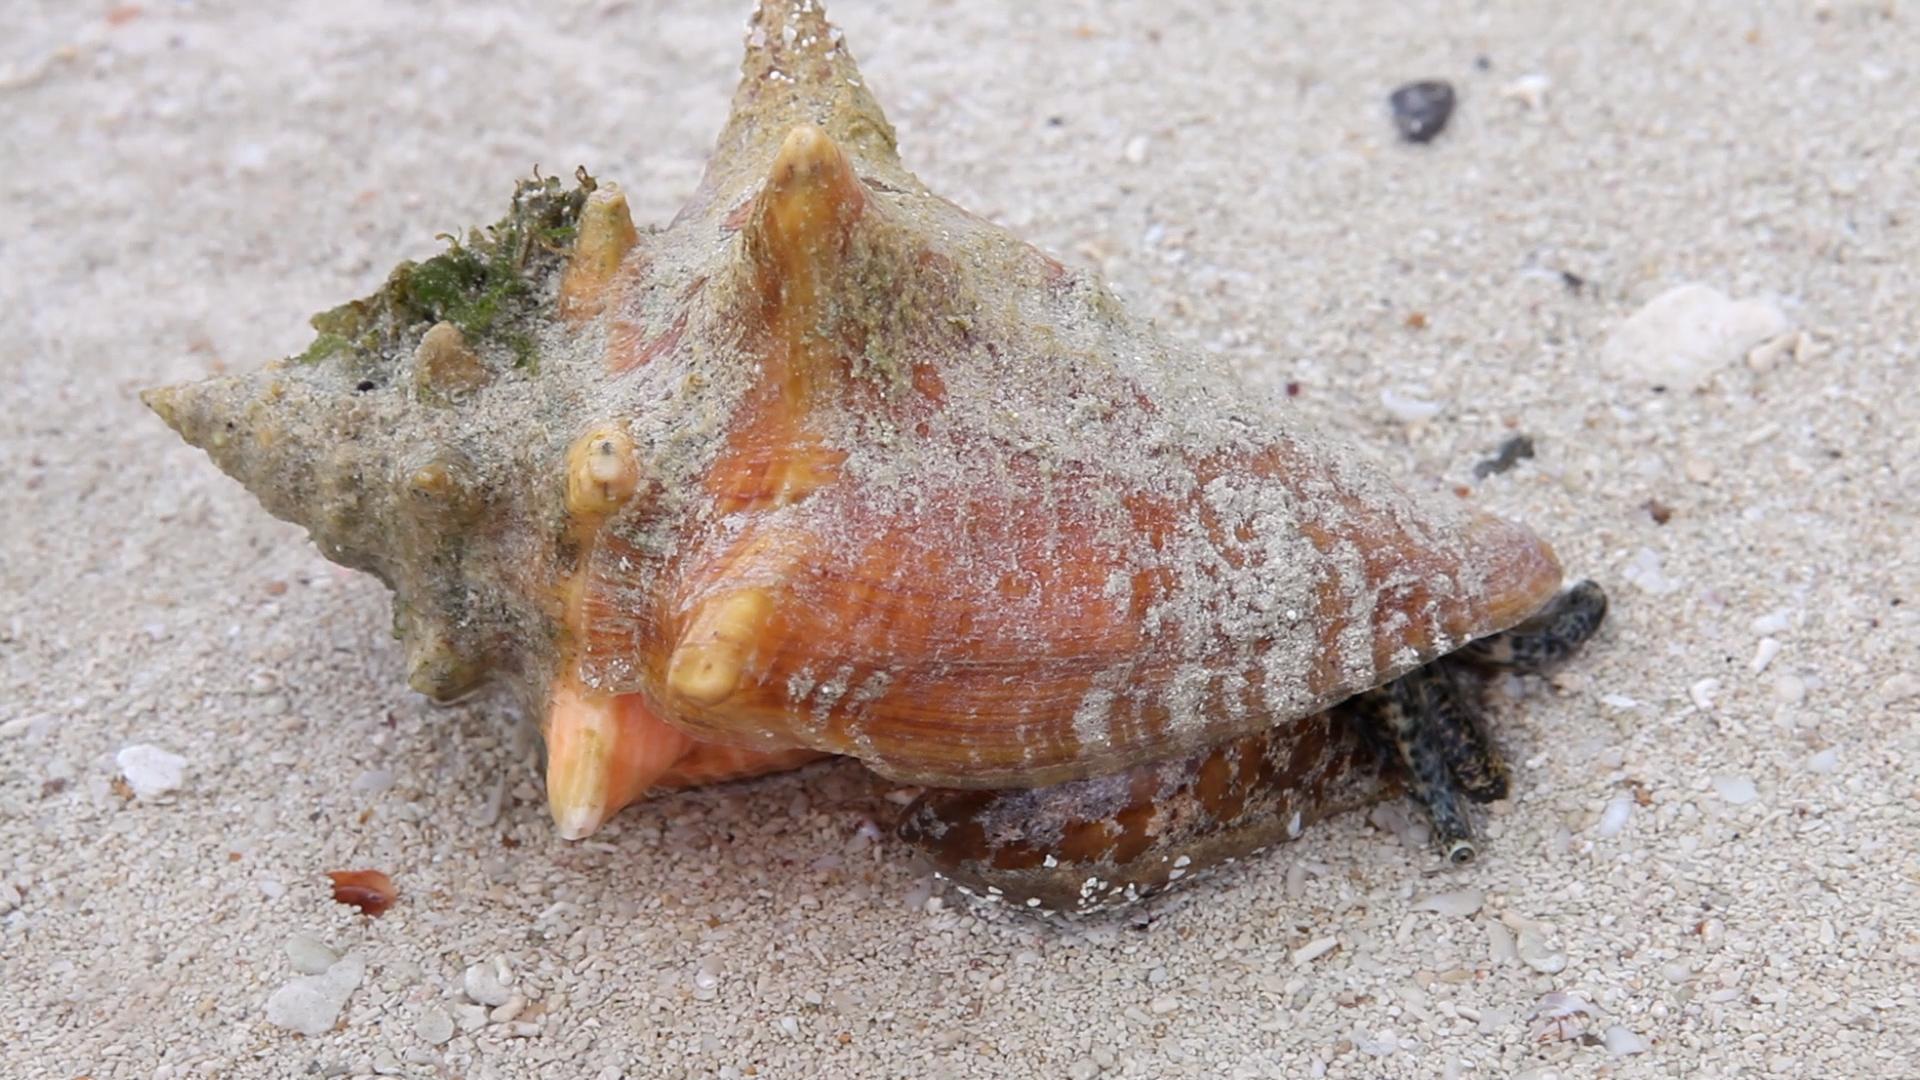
605,753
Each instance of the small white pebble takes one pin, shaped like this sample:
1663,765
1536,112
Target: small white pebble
1314,950
1296,880
1773,622
1789,689
1456,904
1676,972
1738,790
510,1011
1826,762
471,1018
1618,701
434,1026
1763,654
311,1004
1384,1046
309,954
1136,150
1529,90
150,771
1620,1042
1698,470
1500,944
271,888
1713,933
1643,572
484,985
372,781
1768,353
1613,820
1899,687
1408,408
1702,692
1083,1069
1681,337
1162,1005
1535,953
1561,841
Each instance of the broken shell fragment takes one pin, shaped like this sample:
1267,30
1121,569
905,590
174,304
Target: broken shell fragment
828,465
372,891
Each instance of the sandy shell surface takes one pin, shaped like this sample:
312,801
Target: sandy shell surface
1711,864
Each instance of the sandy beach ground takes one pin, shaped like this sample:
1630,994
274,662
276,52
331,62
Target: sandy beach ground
1710,866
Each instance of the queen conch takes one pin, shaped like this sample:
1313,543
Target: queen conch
829,466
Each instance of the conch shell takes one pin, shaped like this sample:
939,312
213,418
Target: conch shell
828,465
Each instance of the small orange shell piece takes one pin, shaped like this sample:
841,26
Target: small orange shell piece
371,891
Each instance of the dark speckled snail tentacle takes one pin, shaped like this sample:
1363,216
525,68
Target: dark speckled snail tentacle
827,465
1432,716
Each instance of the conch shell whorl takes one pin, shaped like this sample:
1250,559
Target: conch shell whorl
830,466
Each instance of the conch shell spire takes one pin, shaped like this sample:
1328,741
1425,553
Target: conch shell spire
252,426
798,72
